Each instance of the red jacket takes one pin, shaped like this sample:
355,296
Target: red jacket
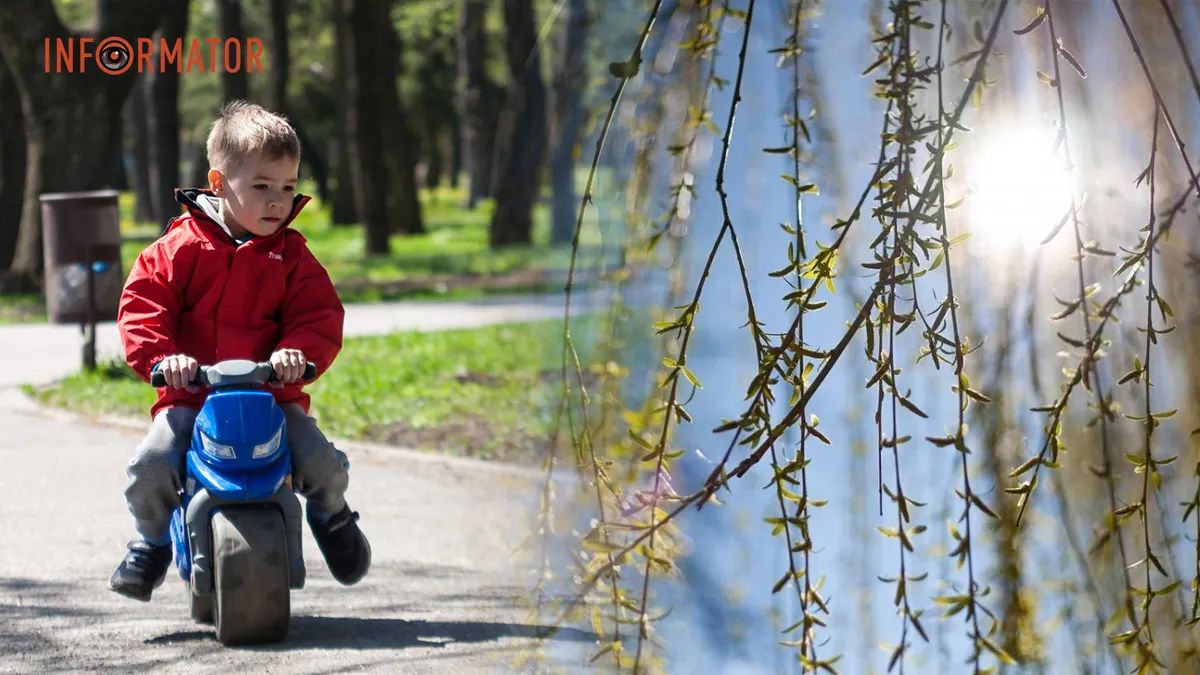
195,291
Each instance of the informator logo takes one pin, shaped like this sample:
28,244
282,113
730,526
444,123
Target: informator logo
117,55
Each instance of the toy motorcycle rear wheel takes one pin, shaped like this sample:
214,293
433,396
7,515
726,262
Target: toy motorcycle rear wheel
252,601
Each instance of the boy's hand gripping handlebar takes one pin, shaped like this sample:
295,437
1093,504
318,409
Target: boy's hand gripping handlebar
228,373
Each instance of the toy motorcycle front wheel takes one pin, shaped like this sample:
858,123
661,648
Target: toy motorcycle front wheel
201,606
251,598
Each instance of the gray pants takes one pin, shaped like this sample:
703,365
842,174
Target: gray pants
319,470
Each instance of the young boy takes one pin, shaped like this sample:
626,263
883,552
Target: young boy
230,280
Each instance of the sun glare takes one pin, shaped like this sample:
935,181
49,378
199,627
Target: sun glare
1017,189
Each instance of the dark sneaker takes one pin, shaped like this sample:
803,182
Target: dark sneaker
142,570
344,546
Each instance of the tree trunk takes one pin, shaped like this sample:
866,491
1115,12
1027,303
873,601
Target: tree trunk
12,166
162,94
399,144
345,211
568,121
72,120
380,149
277,99
198,174
229,15
476,111
117,178
313,160
277,75
138,138
435,164
446,140
368,172
522,136
437,109
455,150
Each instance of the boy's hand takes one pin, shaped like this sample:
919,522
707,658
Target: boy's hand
180,370
289,366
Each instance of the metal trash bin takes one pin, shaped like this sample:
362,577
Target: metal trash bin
82,230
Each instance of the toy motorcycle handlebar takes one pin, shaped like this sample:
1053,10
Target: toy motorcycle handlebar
235,372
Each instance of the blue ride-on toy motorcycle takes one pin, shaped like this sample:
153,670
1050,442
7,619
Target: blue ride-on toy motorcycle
237,533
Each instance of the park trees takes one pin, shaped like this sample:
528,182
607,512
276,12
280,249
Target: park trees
63,112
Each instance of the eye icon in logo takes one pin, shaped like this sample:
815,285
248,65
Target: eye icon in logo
114,55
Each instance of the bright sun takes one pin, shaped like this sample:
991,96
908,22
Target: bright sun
1018,190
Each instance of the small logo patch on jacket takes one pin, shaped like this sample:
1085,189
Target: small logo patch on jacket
275,256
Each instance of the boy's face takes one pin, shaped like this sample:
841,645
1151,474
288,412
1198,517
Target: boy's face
257,194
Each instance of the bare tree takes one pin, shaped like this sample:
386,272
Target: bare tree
522,135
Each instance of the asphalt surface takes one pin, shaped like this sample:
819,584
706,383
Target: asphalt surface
444,594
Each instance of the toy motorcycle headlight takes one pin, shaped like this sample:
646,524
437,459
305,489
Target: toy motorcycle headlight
216,449
267,449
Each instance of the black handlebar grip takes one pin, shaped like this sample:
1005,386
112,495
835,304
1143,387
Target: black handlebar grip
310,371
158,379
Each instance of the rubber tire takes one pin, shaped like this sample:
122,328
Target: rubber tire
252,600
201,606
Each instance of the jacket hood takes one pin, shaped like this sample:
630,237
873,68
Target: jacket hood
189,198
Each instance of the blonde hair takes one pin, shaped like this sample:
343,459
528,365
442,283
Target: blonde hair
244,129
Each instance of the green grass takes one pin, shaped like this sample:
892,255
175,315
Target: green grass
22,308
112,389
477,392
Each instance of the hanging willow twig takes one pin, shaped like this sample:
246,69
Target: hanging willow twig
624,71
964,550
1132,262
678,366
1090,372
903,211
1146,464
894,196
821,270
801,578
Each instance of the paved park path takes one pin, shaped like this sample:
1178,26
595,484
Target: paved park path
443,595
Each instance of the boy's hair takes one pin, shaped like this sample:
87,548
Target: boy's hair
243,129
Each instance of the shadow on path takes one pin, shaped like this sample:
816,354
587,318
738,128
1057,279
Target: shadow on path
334,632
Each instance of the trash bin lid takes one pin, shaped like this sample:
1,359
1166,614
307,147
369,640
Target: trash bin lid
91,194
